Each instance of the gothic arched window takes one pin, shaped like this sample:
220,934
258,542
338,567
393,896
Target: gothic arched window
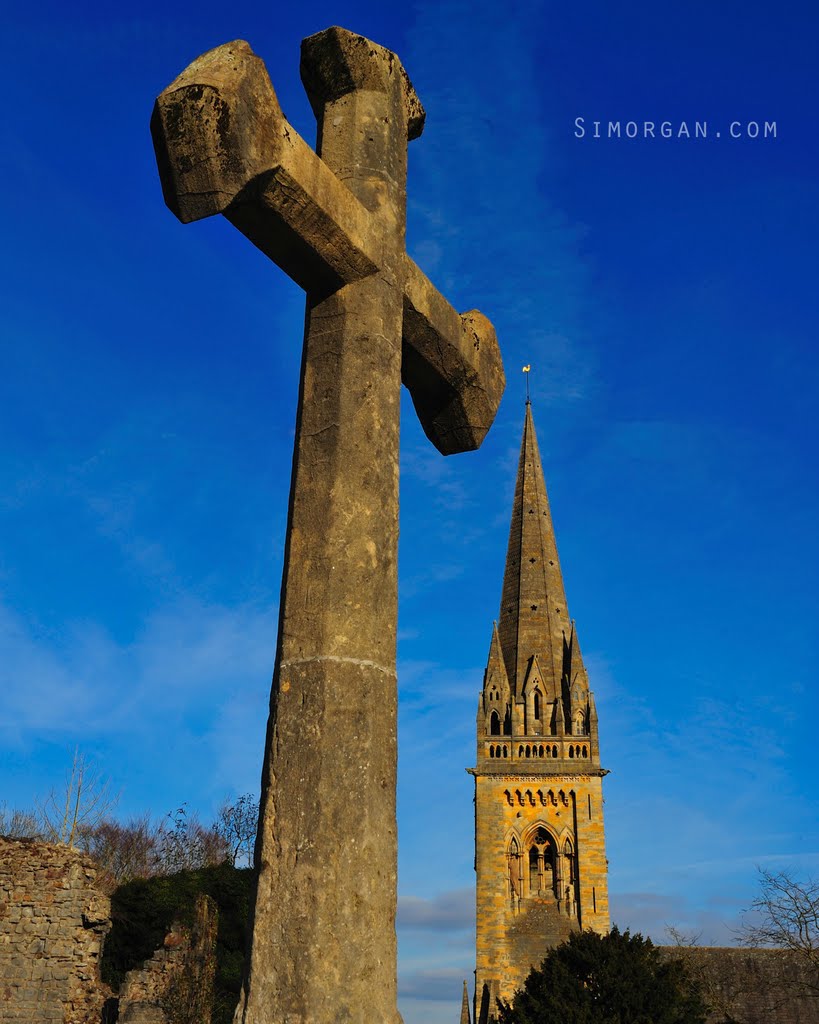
537,704
541,861
494,724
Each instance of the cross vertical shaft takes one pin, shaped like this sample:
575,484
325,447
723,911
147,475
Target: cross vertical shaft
327,844
323,949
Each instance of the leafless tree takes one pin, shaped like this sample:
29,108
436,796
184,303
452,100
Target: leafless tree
17,824
83,802
785,915
123,851
184,844
722,993
237,824
141,849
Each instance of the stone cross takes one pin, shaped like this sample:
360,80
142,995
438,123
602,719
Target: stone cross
323,946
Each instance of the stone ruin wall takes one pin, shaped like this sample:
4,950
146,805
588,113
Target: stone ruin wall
176,985
752,986
53,921
54,917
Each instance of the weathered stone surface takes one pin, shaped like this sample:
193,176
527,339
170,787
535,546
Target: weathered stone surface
455,388
752,986
323,943
337,62
176,985
327,871
53,919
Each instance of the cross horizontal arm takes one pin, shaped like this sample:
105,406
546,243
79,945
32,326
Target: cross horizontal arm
451,365
224,146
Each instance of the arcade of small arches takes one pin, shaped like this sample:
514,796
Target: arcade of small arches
496,727
541,866
524,797
539,750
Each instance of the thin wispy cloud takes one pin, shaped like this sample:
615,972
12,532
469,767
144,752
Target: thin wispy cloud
431,985
449,911
196,675
660,915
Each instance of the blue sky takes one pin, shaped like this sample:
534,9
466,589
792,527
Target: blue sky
664,292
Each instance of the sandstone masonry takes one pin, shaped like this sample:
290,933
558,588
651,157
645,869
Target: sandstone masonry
753,986
176,985
54,917
53,920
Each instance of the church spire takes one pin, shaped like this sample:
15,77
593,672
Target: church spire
465,1007
534,620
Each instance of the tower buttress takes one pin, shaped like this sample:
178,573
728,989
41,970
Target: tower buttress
539,841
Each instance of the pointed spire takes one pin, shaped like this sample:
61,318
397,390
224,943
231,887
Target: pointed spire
575,683
534,618
495,665
494,699
465,1006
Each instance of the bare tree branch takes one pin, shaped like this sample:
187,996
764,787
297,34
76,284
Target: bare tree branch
83,803
785,916
237,824
184,844
17,824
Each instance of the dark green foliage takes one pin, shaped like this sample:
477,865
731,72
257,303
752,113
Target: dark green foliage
142,911
610,979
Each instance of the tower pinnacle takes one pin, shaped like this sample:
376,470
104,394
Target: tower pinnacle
465,1006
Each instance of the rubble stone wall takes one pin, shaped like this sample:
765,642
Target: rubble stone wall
753,986
176,985
53,921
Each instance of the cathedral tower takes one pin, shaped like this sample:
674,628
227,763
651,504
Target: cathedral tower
540,854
